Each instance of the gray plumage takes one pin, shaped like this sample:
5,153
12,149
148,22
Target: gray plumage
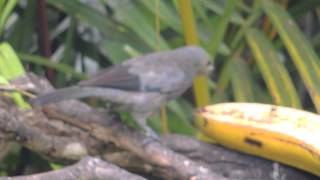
141,84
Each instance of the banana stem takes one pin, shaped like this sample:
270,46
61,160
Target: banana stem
200,85
163,113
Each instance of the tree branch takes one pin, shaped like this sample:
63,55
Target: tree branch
67,131
87,168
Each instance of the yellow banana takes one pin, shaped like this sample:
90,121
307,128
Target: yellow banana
281,134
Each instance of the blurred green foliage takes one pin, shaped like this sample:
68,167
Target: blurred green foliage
264,51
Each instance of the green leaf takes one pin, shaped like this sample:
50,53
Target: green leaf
221,94
6,8
87,14
218,8
64,68
200,10
69,51
56,166
3,80
254,15
221,27
22,31
11,68
241,81
2,3
167,15
10,65
142,24
113,32
179,120
273,71
176,108
302,53
303,7
11,161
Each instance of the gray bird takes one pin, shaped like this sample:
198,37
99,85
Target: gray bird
142,84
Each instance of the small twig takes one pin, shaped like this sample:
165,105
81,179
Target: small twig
14,88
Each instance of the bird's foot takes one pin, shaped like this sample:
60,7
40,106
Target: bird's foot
151,137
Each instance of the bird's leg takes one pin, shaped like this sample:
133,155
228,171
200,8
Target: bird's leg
151,135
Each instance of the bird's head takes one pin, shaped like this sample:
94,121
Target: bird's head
201,61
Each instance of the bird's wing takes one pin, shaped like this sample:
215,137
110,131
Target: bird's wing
169,80
117,76
163,79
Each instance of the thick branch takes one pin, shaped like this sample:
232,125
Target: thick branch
88,168
70,130
79,119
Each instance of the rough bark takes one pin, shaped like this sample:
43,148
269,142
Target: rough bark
70,130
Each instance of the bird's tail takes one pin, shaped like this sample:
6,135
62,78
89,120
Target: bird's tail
107,94
60,95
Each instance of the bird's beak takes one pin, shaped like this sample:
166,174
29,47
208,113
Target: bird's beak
210,69
207,71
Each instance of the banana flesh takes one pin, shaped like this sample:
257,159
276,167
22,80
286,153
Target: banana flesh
282,134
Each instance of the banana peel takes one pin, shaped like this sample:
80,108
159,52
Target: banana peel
282,134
